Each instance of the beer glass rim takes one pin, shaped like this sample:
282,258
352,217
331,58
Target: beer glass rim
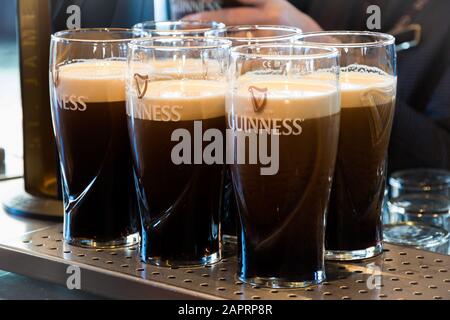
294,31
147,26
208,43
379,39
70,35
406,179
243,51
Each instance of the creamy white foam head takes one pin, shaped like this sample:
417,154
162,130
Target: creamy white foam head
95,80
286,99
191,99
172,69
363,89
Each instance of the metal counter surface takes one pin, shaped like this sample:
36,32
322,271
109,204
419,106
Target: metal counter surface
13,226
399,273
14,286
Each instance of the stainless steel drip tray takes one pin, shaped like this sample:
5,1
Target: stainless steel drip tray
399,273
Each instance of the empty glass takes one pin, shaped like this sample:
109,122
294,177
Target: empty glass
419,209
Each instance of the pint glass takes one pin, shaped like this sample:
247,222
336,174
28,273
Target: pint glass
368,92
283,112
87,89
176,109
246,35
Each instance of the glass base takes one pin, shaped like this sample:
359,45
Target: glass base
352,255
281,283
128,241
415,234
208,260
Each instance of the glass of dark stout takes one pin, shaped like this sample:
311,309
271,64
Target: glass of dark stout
87,89
245,35
368,92
175,110
283,106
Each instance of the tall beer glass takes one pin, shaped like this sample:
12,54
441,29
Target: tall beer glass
283,112
87,90
368,92
246,35
180,28
176,108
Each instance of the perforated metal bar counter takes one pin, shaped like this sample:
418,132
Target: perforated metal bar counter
399,273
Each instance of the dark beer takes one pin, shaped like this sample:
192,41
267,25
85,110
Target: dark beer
282,215
244,35
354,217
179,202
92,137
368,90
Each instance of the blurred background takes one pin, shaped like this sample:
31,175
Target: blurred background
10,101
11,134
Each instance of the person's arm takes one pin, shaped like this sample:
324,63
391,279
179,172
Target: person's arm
273,12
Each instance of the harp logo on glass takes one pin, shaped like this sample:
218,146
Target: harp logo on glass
259,98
